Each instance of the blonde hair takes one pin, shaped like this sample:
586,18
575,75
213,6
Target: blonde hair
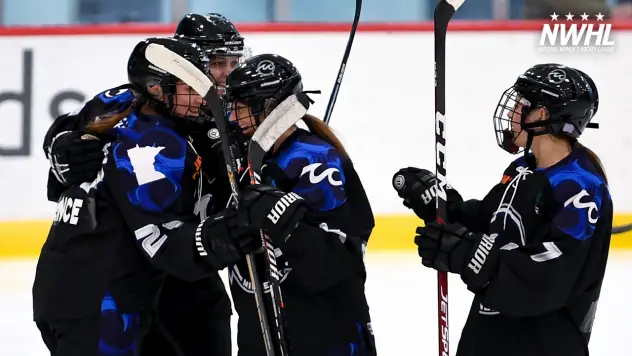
319,128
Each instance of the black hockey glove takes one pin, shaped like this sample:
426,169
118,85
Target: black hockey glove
417,188
452,248
224,241
75,157
268,208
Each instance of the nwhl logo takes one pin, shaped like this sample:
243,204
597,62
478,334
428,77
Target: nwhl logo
281,206
569,36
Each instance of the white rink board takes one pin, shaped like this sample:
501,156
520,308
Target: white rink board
402,298
384,111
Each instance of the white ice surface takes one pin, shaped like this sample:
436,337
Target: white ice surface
402,297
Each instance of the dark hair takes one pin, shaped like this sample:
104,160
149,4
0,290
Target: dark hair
104,124
591,154
594,158
319,128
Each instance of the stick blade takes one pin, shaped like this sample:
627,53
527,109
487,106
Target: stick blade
176,65
455,3
282,118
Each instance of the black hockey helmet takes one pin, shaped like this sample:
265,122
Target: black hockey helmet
263,82
213,32
569,95
143,75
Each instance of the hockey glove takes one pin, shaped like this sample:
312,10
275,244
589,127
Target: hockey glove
75,157
452,248
268,208
224,241
417,188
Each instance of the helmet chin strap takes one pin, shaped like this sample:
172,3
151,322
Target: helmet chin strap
530,159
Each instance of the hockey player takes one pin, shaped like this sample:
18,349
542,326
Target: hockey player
75,160
319,237
204,303
534,250
114,239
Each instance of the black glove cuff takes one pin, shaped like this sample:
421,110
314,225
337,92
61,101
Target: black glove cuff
481,264
204,250
281,231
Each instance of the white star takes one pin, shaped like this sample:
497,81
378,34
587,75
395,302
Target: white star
554,17
600,17
569,17
584,17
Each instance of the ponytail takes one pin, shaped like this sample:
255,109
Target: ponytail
595,160
103,124
322,130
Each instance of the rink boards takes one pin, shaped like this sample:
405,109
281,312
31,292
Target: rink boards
384,112
391,234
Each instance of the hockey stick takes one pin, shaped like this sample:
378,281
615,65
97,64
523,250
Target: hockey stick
282,118
444,11
621,229
343,65
179,67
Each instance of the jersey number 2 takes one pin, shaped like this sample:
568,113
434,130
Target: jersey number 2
151,238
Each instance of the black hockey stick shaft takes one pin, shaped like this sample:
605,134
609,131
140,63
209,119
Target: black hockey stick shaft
444,11
184,70
216,107
274,281
282,118
343,64
621,229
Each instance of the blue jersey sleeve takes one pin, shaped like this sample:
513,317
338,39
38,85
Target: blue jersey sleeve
314,170
579,192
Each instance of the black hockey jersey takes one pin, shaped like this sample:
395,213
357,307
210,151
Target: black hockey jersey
147,194
116,100
321,265
551,230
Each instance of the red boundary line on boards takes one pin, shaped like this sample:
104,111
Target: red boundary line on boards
166,29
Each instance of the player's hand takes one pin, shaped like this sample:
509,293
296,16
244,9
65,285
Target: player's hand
452,248
225,240
268,208
76,157
418,189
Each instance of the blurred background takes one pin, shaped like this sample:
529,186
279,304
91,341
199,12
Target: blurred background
65,12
